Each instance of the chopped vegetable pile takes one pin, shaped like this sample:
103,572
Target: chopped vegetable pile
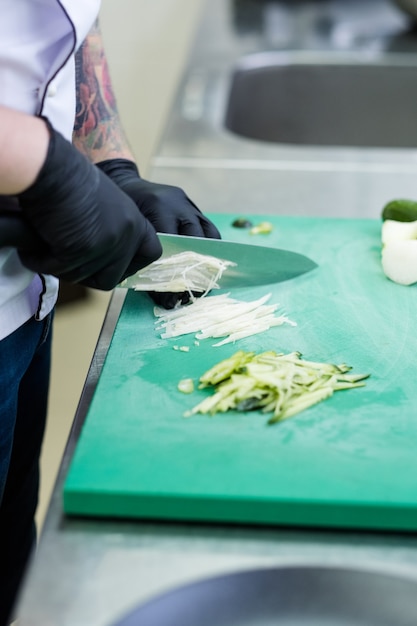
183,272
219,316
277,383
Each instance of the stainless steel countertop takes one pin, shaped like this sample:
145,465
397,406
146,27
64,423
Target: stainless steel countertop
90,572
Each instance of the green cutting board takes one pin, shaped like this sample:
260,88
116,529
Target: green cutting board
350,461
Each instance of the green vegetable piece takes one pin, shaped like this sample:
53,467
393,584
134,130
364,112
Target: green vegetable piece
250,404
242,222
225,368
400,211
263,228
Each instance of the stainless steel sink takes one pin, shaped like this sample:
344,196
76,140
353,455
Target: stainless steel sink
286,596
324,100
306,107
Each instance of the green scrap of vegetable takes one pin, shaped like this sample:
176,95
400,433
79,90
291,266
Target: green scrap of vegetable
401,210
186,385
263,228
242,222
276,383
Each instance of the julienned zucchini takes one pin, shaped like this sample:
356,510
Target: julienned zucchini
275,383
401,210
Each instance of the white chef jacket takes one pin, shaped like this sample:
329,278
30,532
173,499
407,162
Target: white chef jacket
38,39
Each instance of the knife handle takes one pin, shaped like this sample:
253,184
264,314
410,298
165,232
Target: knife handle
15,232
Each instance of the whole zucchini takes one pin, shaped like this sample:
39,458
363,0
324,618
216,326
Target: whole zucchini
400,211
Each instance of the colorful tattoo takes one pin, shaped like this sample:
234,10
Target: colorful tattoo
97,129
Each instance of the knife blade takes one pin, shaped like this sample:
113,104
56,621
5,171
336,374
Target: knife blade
255,265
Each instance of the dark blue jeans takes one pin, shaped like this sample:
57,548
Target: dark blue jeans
25,358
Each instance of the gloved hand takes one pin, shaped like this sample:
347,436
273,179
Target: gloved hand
93,232
167,207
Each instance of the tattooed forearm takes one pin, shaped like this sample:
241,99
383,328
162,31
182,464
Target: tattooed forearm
97,130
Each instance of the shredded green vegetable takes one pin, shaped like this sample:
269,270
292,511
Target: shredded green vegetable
276,383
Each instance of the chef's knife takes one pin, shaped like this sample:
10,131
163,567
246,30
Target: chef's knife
255,265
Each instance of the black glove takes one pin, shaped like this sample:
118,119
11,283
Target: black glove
166,207
93,232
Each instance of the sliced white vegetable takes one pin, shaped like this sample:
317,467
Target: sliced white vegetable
216,316
219,316
186,385
399,251
398,231
399,261
254,330
183,272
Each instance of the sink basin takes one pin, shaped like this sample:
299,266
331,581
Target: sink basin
286,596
325,101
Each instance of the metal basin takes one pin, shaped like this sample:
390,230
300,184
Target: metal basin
329,101
287,596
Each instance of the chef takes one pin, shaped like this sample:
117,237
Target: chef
66,166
